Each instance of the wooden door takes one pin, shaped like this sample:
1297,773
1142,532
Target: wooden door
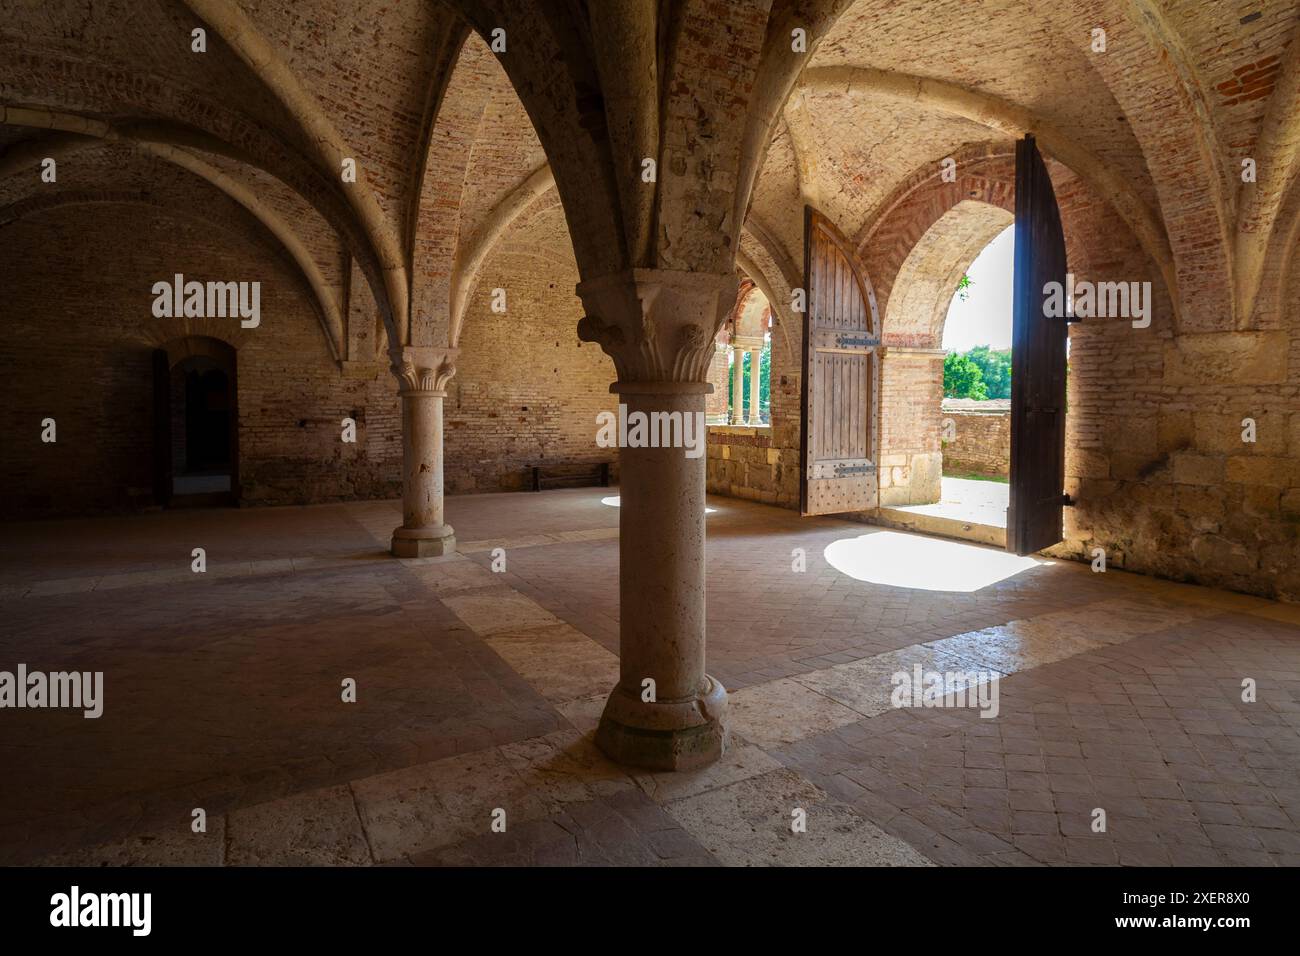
1037,499
841,375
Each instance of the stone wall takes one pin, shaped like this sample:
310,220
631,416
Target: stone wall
981,437
763,464
1163,479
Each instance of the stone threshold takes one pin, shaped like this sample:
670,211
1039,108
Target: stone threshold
942,527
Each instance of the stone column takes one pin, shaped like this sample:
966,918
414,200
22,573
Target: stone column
422,375
738,386
658,327
755,415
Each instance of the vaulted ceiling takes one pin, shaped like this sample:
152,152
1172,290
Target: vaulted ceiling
444,131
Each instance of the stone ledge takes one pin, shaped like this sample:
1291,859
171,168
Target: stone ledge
727,434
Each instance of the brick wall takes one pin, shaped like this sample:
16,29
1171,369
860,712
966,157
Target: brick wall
526,391
981,437
715,406
78,344
911,463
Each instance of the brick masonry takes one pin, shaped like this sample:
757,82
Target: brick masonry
981,437
526,391
79,346
1155,460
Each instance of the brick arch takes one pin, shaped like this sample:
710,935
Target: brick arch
924,285
1012,121
198,126
985,182
608,85
168,202
915,249
220,348
757,314
752,311
765,262
63,144
985,176
474,250
743,289
328,145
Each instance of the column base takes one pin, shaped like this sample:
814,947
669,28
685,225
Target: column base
666,735
423,542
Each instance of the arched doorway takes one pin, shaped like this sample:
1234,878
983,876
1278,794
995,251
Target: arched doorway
976,406
748,389
932,319
1033,517
196,423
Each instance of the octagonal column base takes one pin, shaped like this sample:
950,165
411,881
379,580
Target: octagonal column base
423,542
664,735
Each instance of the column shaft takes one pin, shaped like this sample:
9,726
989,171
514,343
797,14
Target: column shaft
665,713
738,387
755,360
661,559
424,532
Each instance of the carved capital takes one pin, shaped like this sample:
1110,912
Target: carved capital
423,370
657,325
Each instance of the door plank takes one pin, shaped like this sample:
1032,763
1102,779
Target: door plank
841,355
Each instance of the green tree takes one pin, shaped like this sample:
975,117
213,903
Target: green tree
995,366
962,378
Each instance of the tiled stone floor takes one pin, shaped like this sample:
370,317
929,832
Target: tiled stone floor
477,693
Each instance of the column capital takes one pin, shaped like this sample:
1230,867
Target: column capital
657,325
423,369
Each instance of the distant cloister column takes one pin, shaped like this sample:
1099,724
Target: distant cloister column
742,344
665,713
737,386
422,376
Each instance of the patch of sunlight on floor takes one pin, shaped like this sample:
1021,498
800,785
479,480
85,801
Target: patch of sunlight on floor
924,564
613,502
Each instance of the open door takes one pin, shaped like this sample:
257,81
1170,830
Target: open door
162,428
840,377
1038,343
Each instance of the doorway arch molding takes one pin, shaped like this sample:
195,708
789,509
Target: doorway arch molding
918,306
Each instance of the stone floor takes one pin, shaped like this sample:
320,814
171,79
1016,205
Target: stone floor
969,500
968,510
477,690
